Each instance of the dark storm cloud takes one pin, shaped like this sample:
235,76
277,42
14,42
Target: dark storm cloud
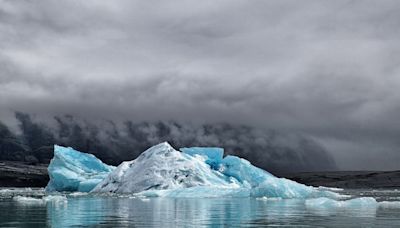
326,69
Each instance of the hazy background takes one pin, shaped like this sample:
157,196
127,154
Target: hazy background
327,71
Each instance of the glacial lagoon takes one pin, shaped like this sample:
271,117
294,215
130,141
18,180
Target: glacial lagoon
195,187
25,207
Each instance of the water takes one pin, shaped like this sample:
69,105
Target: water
83,210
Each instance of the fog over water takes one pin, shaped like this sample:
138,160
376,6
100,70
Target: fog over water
324,71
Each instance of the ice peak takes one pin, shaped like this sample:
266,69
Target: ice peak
161,148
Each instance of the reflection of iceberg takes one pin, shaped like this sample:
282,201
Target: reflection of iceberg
166,212
71,170
78,212
164,171
128,211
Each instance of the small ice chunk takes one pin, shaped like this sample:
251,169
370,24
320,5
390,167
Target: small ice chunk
55,199
28,200
264,198
330,189
389,204
40,201
324,202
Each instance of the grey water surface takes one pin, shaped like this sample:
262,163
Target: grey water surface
27,207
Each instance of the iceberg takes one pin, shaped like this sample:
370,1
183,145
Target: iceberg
199,172
162,171
71,170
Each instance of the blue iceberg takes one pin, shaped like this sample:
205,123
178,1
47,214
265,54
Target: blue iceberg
165,172
71,170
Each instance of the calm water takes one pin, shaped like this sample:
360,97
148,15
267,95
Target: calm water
125,211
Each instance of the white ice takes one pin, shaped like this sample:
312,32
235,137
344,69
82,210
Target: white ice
356,203
26,200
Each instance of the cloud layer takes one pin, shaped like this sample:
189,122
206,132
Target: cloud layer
116,142
326,69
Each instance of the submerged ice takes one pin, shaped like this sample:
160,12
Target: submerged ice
163,171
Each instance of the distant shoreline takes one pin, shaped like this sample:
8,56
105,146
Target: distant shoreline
23,174
348,179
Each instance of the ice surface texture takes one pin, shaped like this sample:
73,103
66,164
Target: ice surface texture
213,155
71,170
160,168
163,171
199,172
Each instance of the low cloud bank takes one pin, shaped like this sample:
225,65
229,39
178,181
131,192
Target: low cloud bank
115,142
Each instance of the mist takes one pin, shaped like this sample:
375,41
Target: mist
116,142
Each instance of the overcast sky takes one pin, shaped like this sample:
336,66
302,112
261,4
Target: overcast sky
329,69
